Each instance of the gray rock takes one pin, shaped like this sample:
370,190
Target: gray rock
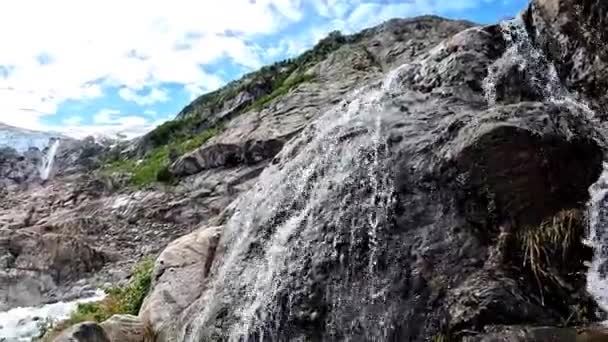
38,263
180,274
574,41
526,334
226,155
84,332
124,328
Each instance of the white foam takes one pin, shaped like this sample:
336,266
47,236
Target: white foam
27,323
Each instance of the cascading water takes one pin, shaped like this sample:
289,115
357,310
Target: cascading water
522,53
276,229
48,160
28,323
597,280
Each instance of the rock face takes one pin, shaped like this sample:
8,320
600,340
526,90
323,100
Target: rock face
573,34
84,332
124,328
34,264
404,213
179,277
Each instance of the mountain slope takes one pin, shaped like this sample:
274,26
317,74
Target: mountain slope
283,97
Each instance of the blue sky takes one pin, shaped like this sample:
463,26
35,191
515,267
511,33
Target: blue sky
107,67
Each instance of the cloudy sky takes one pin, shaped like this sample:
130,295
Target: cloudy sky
108,66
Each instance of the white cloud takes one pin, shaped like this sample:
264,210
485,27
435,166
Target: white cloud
109,122
76,50
69,50
128,128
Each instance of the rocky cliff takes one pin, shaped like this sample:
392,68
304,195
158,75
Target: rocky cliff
426,179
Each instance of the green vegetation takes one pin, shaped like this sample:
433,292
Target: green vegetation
267,84
154,166
173,130
199,121
119,300
281,90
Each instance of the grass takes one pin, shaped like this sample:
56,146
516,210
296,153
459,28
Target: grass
550,244
154,167
119,300
282,89
441,337
268,83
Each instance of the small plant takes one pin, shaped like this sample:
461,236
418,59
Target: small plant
441,337
119,300
155,164
552,238
544,247
130,297
280,90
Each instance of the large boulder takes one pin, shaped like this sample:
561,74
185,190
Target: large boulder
226,155
179,276
124,328
84,332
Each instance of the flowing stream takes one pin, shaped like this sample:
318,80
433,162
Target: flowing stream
27,323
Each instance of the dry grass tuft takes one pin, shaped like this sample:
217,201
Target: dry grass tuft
546,249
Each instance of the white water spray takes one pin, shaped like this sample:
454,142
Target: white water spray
48,160
522,53
597,276
340,159
27,323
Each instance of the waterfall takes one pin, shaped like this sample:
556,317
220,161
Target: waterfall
522,53
48,160
597,280
278,227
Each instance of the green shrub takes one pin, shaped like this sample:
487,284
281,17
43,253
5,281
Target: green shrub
130,297
164,175
280,90
154,166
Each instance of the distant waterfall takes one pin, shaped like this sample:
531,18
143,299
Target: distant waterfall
48,160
